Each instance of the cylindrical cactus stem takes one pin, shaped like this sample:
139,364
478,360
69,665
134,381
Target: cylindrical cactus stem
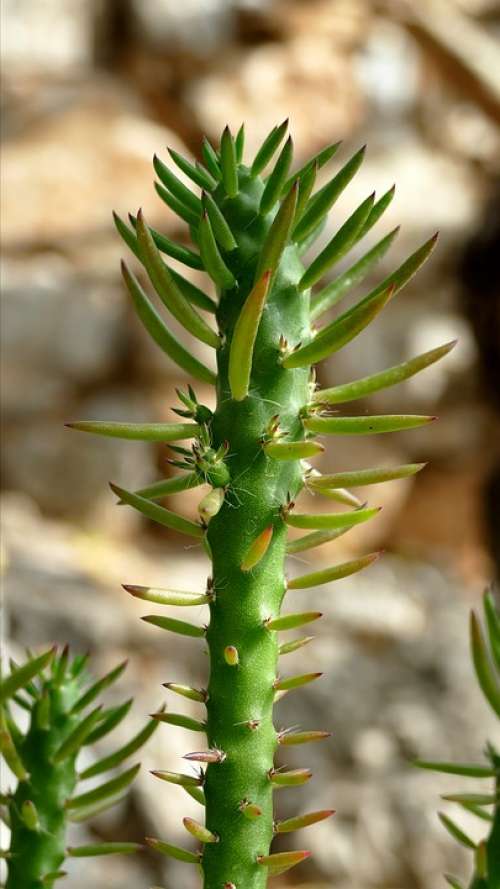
240,701
251,233
44,760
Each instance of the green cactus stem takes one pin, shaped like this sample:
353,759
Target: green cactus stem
63,718
485,654
250,231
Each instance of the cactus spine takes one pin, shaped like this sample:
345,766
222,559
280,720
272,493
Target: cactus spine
251,232
56,695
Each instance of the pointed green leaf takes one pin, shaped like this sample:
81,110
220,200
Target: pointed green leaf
335,290
20,677
110,719
103,849
170,248
292,450
295,739
338,246
167,289
212,259
340,495
482,664
71,745
60,665
173,851
493,624
275,182
470,770
193,293
278,236
377,211
180,209
239,143
104,791
161,432
127,235
181,720
228,163
294,645
244,336
211,159
324,199
383,380
305,183
11,756
290,778
119,756
310,541
280,862
319,160
221,230
292,682
472,799
174,626
159,331
199,832
301,821
331,521
365,425
197,174
292,621
167,486
84,813
453,882
168,597
360,477
95,690
340,332
456,832
187,691
407,270
176,187
336,572
176,778
158,513
197,794
268,147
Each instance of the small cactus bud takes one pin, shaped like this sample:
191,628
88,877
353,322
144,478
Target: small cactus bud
250,810
231,656
29,814
257,549
209,506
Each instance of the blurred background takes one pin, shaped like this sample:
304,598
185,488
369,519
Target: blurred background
90,91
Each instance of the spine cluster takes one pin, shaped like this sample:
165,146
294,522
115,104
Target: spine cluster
62,719
250,232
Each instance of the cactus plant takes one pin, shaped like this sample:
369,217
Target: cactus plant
485,654
55,692
250,232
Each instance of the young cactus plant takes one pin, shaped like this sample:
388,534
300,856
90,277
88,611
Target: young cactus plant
250,232
485,653
62,719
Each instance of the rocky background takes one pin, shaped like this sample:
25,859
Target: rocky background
91,90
